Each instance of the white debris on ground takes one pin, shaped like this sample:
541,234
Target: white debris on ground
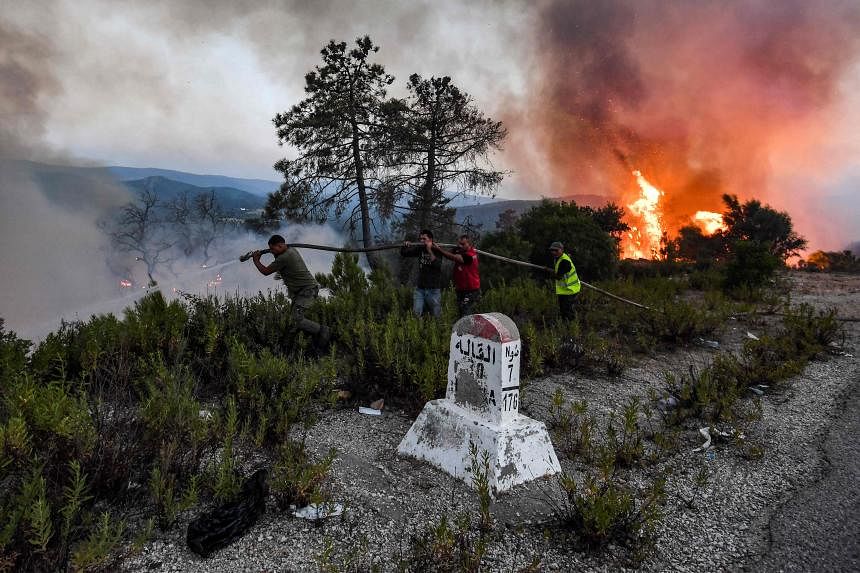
721,525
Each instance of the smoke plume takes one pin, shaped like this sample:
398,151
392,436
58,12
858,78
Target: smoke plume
704,98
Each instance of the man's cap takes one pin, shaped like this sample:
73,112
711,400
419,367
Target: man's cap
556,245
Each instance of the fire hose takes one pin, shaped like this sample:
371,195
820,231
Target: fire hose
249,254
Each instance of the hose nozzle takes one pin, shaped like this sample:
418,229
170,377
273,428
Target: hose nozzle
250,254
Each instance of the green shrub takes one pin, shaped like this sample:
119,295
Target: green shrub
812,332
274,392
56,415
227,480
750,266
164,488
624,436
346,276
479,467
713,392
13,353
102,541
446,547
710,393
572,427
600,509
295,479
706,279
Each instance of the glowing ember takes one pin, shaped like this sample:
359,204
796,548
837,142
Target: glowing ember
645,241
125,283
216,281
709,222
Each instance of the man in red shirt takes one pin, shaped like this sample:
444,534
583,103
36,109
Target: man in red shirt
467,281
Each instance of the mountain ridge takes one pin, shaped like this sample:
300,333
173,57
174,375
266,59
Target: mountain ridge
232,200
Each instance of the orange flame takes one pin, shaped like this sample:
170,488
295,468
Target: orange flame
646,241
709,222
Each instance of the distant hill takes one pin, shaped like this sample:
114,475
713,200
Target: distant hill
67,184
488,214
235,202
260,187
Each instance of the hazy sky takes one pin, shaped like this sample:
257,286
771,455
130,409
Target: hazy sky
194,85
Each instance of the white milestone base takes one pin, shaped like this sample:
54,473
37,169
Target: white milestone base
481,407
520,451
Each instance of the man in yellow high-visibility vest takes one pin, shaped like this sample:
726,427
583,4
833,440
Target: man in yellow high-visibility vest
567,283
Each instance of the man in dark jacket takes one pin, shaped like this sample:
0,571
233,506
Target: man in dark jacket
428,291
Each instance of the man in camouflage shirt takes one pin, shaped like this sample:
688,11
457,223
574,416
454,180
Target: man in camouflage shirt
301,286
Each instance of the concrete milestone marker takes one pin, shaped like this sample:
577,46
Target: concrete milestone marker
481,406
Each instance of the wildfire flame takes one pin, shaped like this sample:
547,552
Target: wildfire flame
645,241
709,222
124,283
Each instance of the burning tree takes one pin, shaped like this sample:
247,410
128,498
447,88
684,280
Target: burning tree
751,222
752,242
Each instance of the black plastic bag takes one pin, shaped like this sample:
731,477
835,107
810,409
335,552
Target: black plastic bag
218,528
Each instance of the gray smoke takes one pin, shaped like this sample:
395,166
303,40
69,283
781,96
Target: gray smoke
197,83
53,255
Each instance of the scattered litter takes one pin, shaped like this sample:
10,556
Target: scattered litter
706,433
709,343
316,511
710,455
205,414
751,336
667,403
369,411
377,404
